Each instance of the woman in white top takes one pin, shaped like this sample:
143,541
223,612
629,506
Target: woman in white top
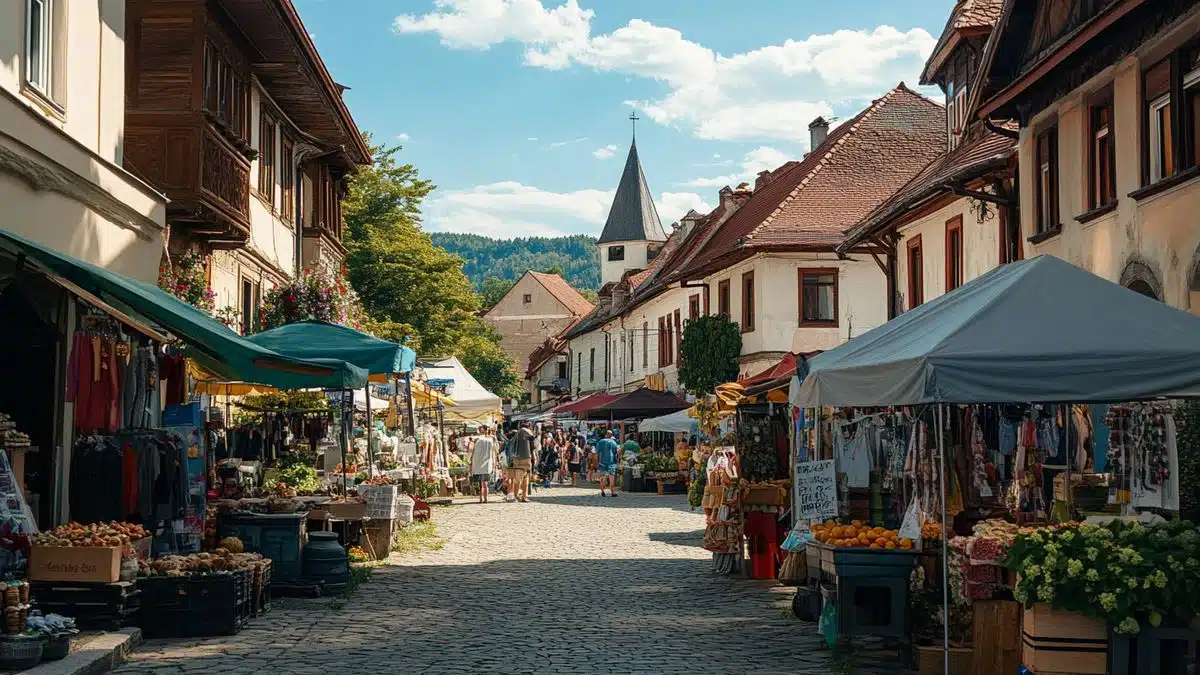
483,462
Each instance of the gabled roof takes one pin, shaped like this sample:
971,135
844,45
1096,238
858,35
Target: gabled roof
969,17
860,164
981,152
632,216
563,292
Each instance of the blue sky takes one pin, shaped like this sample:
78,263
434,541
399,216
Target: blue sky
517,109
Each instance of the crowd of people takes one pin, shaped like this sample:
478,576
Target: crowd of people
509,462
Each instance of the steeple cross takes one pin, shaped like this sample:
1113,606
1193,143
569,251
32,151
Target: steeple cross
633,117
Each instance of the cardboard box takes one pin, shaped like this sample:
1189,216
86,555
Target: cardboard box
68,563
347,510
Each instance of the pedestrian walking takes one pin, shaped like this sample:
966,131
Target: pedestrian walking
483,462
522,462
606,453
574,460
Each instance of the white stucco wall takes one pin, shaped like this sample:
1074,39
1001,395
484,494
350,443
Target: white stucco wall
61,182
981,248
862,303
635,259
270,236
1159,232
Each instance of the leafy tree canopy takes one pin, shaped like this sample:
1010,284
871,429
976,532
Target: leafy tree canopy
409,285
574,257
708,354
493,291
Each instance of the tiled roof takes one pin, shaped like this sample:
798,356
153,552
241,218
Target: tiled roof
980,152
967,16
563,292
632,216
549,349
860,164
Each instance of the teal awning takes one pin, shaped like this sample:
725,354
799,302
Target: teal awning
209,341
318,339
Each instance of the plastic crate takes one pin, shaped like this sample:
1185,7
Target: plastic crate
195,606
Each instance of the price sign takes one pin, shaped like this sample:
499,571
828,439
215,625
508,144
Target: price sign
816,490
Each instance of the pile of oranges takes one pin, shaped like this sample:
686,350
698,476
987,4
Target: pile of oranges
859,535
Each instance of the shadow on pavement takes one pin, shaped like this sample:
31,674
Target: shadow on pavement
624,500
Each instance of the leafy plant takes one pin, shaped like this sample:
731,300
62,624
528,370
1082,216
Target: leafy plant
302,478
317,294
1126,574
186,277
708,353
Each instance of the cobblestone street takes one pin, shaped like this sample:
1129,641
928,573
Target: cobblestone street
568,583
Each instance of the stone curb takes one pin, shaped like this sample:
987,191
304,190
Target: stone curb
99,655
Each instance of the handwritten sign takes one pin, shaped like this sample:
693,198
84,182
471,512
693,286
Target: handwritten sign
816,490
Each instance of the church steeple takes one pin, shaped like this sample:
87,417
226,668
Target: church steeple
632,216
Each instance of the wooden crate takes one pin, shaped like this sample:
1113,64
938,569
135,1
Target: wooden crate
1056,641
931,661
996,644
70,563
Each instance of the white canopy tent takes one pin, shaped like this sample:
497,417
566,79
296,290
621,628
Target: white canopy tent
472,403
676,422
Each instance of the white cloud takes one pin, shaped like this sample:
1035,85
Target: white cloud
402,137
559,144
532,139
607,152
772,92
762,158
511,209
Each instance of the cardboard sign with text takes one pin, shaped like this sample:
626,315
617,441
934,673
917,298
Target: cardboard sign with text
816,490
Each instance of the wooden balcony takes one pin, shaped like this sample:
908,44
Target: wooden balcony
206,178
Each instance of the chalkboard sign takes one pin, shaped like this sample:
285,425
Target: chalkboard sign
816,490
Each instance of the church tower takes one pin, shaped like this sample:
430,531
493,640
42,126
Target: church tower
633,233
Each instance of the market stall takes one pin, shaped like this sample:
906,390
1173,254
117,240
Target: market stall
981,391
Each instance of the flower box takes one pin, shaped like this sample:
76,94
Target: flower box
1058,641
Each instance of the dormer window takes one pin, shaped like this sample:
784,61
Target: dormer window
616,253
956,104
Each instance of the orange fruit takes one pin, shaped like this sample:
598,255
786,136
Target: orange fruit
830,523
856,523
881,541
906,544
891,545
876,546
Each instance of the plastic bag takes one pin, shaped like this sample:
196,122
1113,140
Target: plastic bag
828,623
798,538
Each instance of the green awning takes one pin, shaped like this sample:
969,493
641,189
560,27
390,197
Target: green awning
207,340
318,339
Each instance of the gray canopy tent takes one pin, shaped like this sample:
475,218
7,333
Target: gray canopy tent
1037,331
1041,330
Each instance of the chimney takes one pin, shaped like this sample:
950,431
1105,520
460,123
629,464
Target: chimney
688,223
817,131
764,177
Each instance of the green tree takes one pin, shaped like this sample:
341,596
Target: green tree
554,270
708,354
493,290
405,282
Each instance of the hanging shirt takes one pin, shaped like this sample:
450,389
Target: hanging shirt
855,459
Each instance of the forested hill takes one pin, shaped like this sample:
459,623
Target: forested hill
508,259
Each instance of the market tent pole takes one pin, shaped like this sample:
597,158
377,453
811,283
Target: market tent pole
941,446
412,420
345,435
370,433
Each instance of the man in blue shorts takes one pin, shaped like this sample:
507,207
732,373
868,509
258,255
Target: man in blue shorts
606,452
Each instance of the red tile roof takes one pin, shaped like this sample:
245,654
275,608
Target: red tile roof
860,164
968,17
564,293
981,152
976,13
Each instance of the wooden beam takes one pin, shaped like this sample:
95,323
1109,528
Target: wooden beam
882,267
1093,29
981,196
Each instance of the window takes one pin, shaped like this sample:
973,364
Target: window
526,299
43,44
916,275
645,344
287,178
748,302
562,370
226,94
723,298
266,159
1171,120
954,253
631,350
578,369
592,366
704,291
1102,188
1009,237
662,341
818,297
956,117
1046,196
694,307
251,299
616,253
678,333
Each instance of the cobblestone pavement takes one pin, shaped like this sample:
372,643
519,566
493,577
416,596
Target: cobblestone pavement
568,583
